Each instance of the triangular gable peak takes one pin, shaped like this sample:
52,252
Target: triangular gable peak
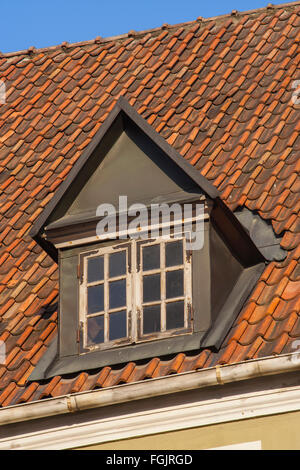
127,157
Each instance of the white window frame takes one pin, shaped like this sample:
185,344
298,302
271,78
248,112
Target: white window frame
134,293
83,289
187,290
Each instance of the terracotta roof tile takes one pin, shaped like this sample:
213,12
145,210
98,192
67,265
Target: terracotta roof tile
220,92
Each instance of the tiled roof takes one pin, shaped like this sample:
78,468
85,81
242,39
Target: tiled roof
218,90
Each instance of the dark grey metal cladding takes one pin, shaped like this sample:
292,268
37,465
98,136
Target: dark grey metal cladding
119,356
133,167
262,234
232,306
225,270
201,283
82,227
180,197
234,235
68,301
121,117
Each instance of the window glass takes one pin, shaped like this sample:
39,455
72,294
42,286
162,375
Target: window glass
175,315
174,253
151,257
95,298
95,269
95,330
174,283
117,294
151,319
117,263
117,325
157,304
107,294
151,288
167,260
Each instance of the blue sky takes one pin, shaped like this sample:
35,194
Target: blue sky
43,23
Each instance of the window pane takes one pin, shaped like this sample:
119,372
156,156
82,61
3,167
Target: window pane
117,325
117,294
175,315
174,283
151,319
96,298
117,264
95,330
96,269
151,288
151,257
174,253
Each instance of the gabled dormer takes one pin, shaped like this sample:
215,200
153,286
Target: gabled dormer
133,285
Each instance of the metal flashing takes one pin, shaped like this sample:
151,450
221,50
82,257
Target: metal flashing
262,234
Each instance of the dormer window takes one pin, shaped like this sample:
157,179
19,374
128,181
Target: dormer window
129,298
135,292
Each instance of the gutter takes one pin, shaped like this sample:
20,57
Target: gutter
214,376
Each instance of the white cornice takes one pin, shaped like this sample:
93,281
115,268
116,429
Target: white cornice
160,386
158,420
155,420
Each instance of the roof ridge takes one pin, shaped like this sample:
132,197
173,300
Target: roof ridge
165,26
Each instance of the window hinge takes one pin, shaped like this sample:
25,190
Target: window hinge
79,330
188,255
79,273
190,312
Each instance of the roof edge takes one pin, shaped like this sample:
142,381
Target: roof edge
203,378
99,40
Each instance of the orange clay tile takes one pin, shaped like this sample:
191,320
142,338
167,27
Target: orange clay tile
102,377
220,92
